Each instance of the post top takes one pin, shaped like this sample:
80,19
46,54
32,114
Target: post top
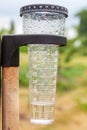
44,8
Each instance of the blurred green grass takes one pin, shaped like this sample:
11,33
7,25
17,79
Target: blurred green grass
23,72
71,75
23,75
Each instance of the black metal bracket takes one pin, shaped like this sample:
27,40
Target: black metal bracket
10,46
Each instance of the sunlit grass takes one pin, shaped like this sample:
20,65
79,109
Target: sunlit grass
23,73
23,59
81,100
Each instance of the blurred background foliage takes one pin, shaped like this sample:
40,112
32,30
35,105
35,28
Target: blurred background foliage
70,108
75,49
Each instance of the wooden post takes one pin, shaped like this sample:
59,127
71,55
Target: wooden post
10,103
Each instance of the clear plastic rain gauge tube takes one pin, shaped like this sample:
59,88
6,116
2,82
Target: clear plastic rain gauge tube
43,59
